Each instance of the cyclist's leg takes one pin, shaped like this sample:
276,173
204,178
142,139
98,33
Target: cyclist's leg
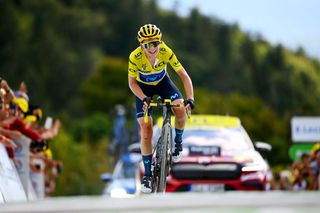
146,152
146,144
145,127
146,139
180,121
180,115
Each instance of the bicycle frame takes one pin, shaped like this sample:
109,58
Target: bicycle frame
162,151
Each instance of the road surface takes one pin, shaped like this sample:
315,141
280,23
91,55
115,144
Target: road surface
248,202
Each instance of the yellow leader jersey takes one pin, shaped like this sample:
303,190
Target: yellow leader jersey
141,69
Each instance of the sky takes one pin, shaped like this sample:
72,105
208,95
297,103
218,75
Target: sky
292,23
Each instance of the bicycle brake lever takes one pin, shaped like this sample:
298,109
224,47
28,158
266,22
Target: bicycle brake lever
188,113
145,117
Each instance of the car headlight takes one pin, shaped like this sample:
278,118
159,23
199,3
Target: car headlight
252,168
252,176
119,193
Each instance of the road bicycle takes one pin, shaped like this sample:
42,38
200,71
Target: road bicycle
162,158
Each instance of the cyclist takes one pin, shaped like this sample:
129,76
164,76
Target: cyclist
147,76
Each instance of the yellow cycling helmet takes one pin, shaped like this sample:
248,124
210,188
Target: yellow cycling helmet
149,32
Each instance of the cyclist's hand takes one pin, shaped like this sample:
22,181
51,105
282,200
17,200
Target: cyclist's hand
146,103
189,103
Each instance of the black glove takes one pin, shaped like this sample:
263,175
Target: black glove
147,100
190,102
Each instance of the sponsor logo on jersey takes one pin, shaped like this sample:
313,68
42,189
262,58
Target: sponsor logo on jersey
174,96
144,66
176,64
132,70
152,77
159,64
138,55
162,50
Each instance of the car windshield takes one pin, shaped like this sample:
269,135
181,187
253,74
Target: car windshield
226,138
124,170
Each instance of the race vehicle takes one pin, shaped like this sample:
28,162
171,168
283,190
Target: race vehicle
218,155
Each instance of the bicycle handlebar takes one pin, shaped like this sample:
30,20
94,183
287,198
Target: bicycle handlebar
152,104
167,103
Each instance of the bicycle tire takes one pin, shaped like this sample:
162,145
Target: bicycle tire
164,157
156,166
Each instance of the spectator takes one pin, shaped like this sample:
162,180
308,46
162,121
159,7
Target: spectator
7,97
19,106
285,180
33,115
22,92
135,132
275,182
301,173
6,93
17,118
299,183
315,168
119,143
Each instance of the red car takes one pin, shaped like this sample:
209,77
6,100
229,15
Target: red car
218,155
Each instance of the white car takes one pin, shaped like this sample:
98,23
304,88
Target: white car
125,180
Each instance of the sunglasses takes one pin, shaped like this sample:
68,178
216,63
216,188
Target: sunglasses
150,44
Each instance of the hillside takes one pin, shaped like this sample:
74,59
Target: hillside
73,55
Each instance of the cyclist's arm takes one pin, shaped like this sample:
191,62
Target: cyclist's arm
135,88
177,66
132,75
187,83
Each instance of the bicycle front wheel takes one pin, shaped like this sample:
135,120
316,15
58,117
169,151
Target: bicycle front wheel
165,157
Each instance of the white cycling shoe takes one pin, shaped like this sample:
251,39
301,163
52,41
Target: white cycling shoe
176,155
146,184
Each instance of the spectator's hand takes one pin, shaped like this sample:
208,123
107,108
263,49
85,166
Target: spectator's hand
8,142
48,134
7,93
8,121
14,134
56,127
4,85
2,93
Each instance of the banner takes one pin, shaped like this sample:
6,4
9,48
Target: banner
11,188
22,163
305,129
296,150
37,177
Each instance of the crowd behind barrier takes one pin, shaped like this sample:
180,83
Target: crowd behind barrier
304,174
26,144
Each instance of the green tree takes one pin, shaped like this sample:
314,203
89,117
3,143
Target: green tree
108,86
82,165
